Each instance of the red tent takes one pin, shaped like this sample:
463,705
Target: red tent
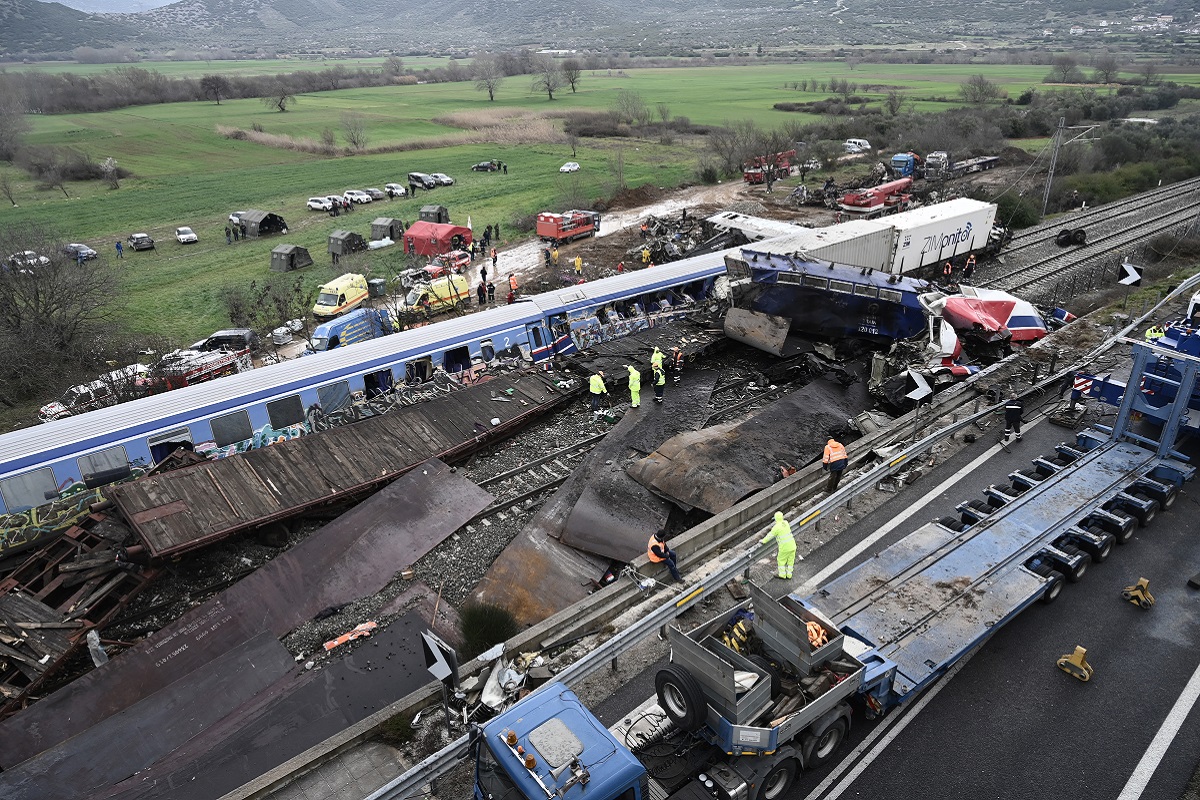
435,238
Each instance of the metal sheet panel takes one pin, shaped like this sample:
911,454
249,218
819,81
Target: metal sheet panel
353,556
858,243
139,736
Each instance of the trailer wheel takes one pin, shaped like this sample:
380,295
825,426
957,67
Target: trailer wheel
1054,587
1145,516
680,697
1075,575
776,782
764,663
1079,236
1123,532
1100,552
1064,237
827,743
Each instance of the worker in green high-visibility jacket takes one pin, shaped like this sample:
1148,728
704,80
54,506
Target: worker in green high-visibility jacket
597,388
781,532
635,386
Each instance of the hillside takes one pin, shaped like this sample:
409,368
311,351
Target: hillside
654,26
30,26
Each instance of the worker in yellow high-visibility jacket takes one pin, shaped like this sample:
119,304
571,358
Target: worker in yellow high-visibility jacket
785,557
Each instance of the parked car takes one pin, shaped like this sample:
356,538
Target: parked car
376,194
75,250
357,196
27,258
186,235
336,200
236,217
455,261
442,179
140,241
395,190
486,166
320,203
422,179
570,166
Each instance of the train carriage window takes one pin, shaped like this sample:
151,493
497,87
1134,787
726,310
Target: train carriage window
816,283
34,488
890,295
418,371
536,333
866,291
377,383
845,287
334,397
163,444
285,412
487,350
103,467
232,428
457,359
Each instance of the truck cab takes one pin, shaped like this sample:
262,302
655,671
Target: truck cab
550,745
357,326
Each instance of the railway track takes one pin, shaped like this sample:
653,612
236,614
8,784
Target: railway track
1033,279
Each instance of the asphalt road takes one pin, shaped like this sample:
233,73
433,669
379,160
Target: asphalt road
1006,722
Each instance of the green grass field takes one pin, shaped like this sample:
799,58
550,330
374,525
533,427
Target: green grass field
185,173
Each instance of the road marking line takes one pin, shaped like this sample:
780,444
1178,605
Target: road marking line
877,751
1162,740
815,581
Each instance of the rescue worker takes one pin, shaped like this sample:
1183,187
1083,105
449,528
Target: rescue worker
676,365
834,461
635,386
620,267
658,553
1013,408
512,283
948,272
969,269
597,388
660,382
645,255
579,265
645,230
481,292
785,558
494,258
656,358
546,256
554,256
1155,333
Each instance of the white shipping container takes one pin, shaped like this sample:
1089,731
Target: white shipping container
933,234
858,243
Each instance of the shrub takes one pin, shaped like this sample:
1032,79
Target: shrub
398,730
483,625
708,172
1015,212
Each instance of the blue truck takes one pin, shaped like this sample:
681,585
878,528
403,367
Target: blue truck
357,326
768,689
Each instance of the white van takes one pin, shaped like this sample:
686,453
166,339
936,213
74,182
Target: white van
857,146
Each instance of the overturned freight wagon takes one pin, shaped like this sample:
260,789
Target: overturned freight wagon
288,257
262,223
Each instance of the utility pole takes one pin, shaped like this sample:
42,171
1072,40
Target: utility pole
1058,137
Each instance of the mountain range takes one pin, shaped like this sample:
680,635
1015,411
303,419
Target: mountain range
655,26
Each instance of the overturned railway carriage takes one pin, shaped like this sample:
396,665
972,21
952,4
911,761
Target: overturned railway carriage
254,409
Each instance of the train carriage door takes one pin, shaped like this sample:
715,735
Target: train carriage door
560,331
539,342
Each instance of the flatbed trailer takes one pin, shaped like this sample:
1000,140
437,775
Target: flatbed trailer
720,724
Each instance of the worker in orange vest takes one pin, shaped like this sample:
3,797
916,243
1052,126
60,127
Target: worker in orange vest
969,269
834,461
948,272
512,283
658,553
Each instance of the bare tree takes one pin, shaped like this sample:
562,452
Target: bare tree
630,107
573,143
215,86
13,123
354,127
329,141
1107,68
54,178
274,302
547,78
393,67
894,102
489,75
664,112
616,170
1065,70
1150,71
7,188
571,70
978,90
279,98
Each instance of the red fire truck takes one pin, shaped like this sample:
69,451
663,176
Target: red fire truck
187,367
569,225
778,165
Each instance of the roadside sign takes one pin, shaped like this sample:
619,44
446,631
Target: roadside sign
1131,275
440,658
